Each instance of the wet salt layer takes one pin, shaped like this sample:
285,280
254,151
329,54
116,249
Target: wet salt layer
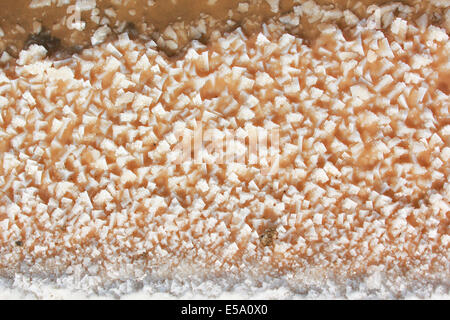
358,206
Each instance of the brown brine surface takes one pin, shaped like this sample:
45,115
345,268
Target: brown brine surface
20,18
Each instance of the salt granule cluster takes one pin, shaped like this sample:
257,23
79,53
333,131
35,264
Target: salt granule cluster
88,188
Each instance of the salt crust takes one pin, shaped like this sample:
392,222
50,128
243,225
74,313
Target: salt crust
361,222
310,285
